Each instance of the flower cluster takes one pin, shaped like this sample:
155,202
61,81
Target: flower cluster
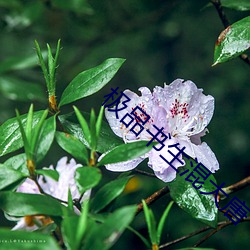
183,111
58,189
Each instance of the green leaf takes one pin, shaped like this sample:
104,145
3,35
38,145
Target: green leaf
20,204
162,221
16,240
108,193
8,176
105,235
126,152
84,125
73,146
87,177
10,136
99,122
53,174
19,90
18,162
233,41
78,6
90,81
241,5
92,127
107,139
201,207
46,137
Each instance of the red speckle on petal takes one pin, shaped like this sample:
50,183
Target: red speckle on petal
179,109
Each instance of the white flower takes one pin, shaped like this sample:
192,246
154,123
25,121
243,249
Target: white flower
183,111
58,189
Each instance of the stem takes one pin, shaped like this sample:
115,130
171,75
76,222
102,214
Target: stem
144,173
152,198
226,23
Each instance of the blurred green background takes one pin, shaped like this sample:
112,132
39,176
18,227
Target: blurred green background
161,41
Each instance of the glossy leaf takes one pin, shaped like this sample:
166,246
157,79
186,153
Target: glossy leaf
105,235
10,136
53,174
16,240
107,138
241,5
8,176
46,138
201,207
87,177
233,41
18,162
73,146
19,90
126,152
108,193
90,81
20,204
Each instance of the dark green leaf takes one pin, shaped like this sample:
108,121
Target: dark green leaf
78,6
201,207
105,235
126,152
10,136
16,240
18,162
241,5
20,90
87,177
20,204
90,81
73,146
108,193
8,176
53,174
46,138
107,139
233,41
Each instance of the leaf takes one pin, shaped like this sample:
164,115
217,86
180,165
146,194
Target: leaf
10,136
126,152
233,41
107,139
73,146
8,176
90,81
53,174
16,240
241,5
201,207
19,90
87,177
162,221
105,235
18,162
108,193
20,204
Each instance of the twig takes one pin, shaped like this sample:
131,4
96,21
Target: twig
226,23
235,187
144,173
220,226
152,198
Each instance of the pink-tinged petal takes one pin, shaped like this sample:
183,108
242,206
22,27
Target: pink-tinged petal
29,187
161,168
189,110
126,165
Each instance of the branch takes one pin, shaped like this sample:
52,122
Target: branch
226,23
152,198
220,226
235,187
144,173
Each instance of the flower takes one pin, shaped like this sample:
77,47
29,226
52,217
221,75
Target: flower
183,111
58,189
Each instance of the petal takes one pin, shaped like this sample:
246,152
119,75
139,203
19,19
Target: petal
28,186
189,110
161,168
126,165
21,225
